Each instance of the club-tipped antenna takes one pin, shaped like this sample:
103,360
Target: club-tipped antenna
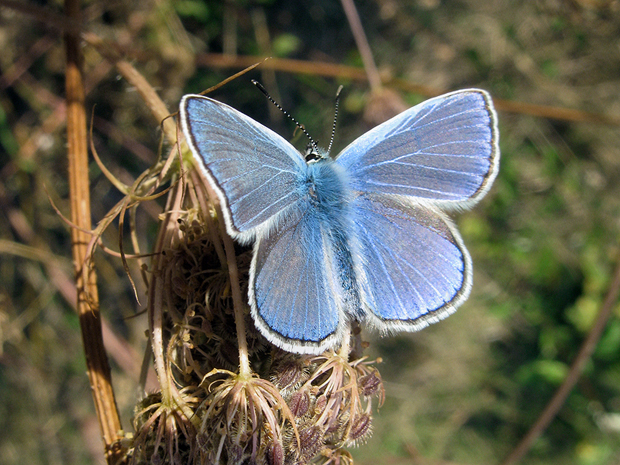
315,149
331,140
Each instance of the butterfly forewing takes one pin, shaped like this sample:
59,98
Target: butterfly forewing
255,171
443,150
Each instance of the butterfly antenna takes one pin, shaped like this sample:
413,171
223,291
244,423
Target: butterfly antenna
314,150
331,141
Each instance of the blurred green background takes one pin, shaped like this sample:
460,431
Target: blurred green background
544,240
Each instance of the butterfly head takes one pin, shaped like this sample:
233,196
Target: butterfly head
313,153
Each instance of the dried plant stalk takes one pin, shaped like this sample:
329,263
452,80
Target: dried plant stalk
88,304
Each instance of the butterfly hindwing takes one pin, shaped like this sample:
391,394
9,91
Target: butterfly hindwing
412,266
444,150
292,291
255,171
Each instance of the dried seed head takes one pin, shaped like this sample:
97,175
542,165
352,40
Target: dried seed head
197,227
337,426
156,459
337,456
226,351
314,406
288,375
235,453
299,403
289,372
320,404
370,384
202,441
179,286
275,454
361,428
311,442
205,327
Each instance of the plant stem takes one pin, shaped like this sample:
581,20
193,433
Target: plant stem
86,280
233,271
245,371
362,44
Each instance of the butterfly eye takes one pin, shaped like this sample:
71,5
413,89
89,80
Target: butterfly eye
311,153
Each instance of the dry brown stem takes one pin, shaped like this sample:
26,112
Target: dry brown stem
86,280
358,74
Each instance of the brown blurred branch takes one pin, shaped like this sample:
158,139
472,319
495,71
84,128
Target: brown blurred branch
358,74
87,296
158,108
304,67
586,350
44,15
374,79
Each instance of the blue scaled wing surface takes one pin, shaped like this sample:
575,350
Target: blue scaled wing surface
261,180
255,171
411,264
444,150
293,294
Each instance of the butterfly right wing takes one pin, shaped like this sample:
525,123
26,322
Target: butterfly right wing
255,172
444,151
293,293
412,266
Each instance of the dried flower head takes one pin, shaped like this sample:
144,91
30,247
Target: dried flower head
226,395
238,415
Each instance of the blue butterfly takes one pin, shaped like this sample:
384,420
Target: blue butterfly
362,236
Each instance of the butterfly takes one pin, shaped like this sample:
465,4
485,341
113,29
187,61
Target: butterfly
360,236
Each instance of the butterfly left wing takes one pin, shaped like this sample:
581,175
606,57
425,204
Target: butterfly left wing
412,266
255,171
294,299
444,150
